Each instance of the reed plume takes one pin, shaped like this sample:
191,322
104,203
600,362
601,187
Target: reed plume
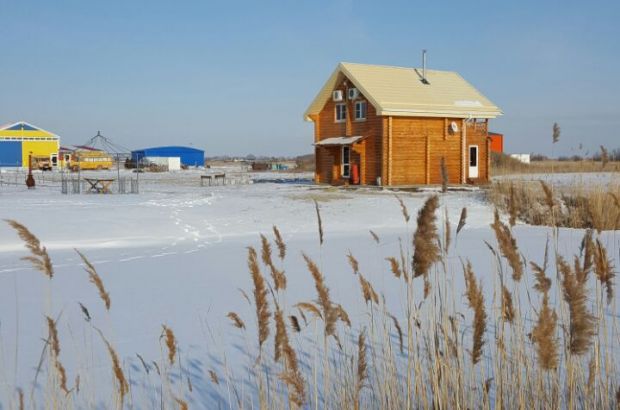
320,222
582,323
475,299
375,237
543,336
507,308
362,367
123,386
444,175
279,243
309,307
171,343
604,156
343,316
399,331
214,377
182,403
394,267
38,258
330,315
55,350
512,206
426,250
604,269
403,208
260,298
548,195
368,291
294,323
237,322
96,280
556,132
279,279
291,375
543,283
508,247
462,220
353,262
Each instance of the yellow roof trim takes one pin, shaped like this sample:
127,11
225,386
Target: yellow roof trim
399,91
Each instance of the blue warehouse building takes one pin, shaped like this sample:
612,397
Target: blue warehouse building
190,157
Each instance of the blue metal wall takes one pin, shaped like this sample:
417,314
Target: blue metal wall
10,153
189,156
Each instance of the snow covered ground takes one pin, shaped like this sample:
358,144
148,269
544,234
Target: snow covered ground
175,254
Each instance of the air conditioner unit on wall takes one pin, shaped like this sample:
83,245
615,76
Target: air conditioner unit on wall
353,93
337,95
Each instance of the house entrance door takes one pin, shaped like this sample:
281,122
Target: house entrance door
473,161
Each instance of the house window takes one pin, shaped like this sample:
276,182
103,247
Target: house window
346,161
341,112
360,110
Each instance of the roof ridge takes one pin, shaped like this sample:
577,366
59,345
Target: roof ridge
398,67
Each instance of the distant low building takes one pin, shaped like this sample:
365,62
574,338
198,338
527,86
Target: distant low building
190,157
497,142
20,139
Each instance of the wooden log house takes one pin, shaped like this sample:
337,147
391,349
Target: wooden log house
393,126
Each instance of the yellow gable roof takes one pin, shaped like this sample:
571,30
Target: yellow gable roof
399,91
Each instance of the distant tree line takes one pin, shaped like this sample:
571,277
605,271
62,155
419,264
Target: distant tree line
613,155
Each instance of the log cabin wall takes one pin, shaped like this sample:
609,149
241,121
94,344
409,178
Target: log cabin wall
366,153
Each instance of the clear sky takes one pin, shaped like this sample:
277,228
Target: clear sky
235,77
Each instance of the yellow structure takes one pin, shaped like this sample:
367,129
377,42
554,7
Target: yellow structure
86,159
20,139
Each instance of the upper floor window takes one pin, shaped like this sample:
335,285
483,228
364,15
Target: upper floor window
341,112
360,110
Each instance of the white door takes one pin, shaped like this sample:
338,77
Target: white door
473,161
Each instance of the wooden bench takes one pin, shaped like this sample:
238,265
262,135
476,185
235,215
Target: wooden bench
213,179
99,185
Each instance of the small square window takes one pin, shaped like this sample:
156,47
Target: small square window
361,108
341,112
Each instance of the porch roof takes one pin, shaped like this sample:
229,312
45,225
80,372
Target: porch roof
339,141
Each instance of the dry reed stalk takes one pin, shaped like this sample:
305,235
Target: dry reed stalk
604,270
604,157
55,351
96,280
403,208
214,377
39,258
394,267
77,384
353,262
375,237
343,316
508,312
475,299
508,247
146,367
543,335
448,232
279,280
85,312
462,220
591,374
444,175
182,403
20,399
399,331
260,298
320,222
368,292
618,398
362,367
582,323
426,252
171,343
330,315
512,206
279,243
294,323
237,322
123,386
291,375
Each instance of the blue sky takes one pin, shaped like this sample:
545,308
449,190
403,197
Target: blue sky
236,77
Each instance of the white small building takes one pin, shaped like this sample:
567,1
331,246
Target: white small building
525,158
171,163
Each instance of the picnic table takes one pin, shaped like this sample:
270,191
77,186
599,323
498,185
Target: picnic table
99,185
